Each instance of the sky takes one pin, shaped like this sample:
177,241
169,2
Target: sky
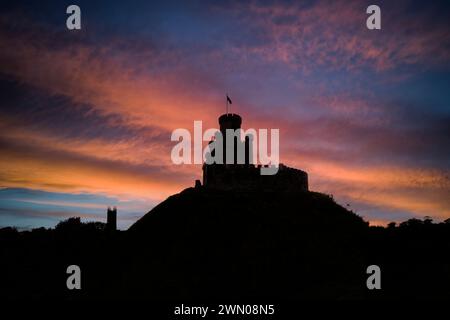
86,115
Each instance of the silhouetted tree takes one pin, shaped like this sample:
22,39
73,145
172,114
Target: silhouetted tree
427,220
391,225
70,224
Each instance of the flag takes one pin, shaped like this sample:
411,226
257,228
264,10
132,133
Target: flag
229,100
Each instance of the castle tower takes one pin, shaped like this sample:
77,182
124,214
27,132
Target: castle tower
233,121
111,222
229,121
245,175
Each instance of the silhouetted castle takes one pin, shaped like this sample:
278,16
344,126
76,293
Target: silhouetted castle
247,176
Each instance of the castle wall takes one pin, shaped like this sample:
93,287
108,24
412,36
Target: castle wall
248,177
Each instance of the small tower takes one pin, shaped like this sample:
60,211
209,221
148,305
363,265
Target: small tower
111,222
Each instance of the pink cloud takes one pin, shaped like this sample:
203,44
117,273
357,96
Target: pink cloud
333,34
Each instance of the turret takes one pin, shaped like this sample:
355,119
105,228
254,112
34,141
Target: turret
229,121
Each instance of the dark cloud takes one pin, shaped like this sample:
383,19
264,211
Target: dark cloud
58,115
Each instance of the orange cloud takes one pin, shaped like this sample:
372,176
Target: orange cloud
108,82
420,192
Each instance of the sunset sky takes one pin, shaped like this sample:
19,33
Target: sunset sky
86,116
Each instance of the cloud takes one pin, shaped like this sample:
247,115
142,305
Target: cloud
333,34
111,79
47,168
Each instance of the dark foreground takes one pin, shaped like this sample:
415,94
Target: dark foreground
206,245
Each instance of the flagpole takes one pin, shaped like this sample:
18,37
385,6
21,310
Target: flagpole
226,98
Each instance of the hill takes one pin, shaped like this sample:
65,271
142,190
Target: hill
249,244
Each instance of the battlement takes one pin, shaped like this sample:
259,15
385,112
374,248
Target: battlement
229,121
248,177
